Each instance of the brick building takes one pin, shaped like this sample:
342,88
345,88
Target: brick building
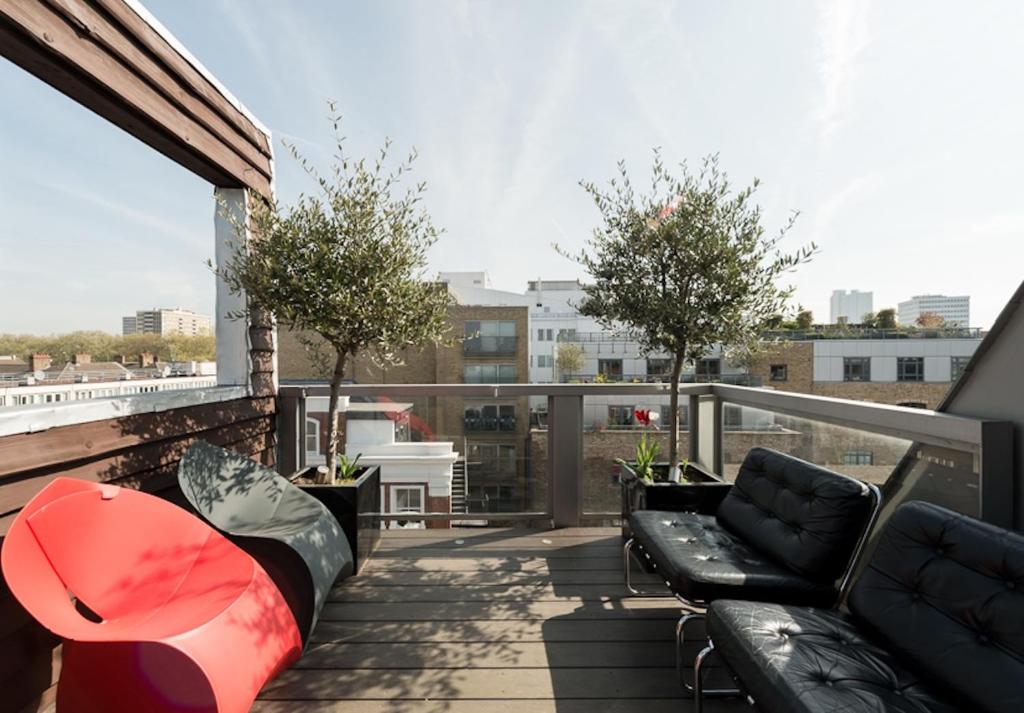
489,344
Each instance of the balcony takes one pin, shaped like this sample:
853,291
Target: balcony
487,618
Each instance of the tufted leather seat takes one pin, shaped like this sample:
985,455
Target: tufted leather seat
936,625
785,532
702,561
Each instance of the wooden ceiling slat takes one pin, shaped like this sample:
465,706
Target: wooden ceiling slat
155,43
113,40
41,40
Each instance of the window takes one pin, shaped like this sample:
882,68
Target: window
566,335
489,373
545,335
910,369
659,367
858,458
407,499
489,337
312,436
610,369
545,360
856,368
779,372
957,366
709,369
620,416
489,417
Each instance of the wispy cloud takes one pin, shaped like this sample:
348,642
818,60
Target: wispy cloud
841,200
843,35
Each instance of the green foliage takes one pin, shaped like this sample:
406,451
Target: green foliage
347,263
805,318
886,319
106,347
347,467
684,266
569,358
647,450
869,320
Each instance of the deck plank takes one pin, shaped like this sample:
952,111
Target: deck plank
490,621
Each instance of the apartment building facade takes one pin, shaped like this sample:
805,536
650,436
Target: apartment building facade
167,321
488,345
954,310
850,306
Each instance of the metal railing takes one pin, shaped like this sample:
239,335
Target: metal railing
989,443
737,379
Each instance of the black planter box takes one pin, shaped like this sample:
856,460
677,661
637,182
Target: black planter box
700,492
356,507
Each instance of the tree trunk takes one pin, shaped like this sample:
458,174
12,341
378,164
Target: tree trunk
333,434
673,421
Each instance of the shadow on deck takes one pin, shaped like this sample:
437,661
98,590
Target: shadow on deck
490,621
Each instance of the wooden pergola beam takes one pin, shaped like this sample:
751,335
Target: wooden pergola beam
105,56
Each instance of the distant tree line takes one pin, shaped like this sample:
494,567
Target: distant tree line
106,347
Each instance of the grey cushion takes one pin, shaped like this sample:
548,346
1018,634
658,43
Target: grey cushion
253,503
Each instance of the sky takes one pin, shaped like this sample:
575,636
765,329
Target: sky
896,129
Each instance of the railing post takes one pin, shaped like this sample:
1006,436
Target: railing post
565,459
693,426
706,446
291,430
995,474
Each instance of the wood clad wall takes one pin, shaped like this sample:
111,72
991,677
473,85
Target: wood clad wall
138,451
108,58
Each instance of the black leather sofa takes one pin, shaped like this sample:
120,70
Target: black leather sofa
935,625
787,531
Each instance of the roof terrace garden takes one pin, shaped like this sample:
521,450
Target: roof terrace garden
687,541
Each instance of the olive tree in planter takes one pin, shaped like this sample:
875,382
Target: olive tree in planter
344,268
683,267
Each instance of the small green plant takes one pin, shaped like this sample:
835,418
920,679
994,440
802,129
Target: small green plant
647,450
347,467
600,379
683,465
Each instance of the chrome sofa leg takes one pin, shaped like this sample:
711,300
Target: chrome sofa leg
697,688
627,550
698,677
680,643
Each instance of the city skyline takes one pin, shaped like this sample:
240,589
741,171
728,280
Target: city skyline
508,114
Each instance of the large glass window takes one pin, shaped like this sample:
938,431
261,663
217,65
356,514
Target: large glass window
620,416
489,374
491,336
709,369
489,417
659,367
858,458
910,369
610,369
856,368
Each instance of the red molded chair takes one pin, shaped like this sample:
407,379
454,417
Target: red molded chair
158,611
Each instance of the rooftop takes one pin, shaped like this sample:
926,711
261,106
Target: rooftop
490,621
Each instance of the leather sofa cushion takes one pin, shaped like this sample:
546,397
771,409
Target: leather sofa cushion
946,592
702,561
803,516
802,660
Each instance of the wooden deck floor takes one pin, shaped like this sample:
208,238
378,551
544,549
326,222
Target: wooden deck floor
489,621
